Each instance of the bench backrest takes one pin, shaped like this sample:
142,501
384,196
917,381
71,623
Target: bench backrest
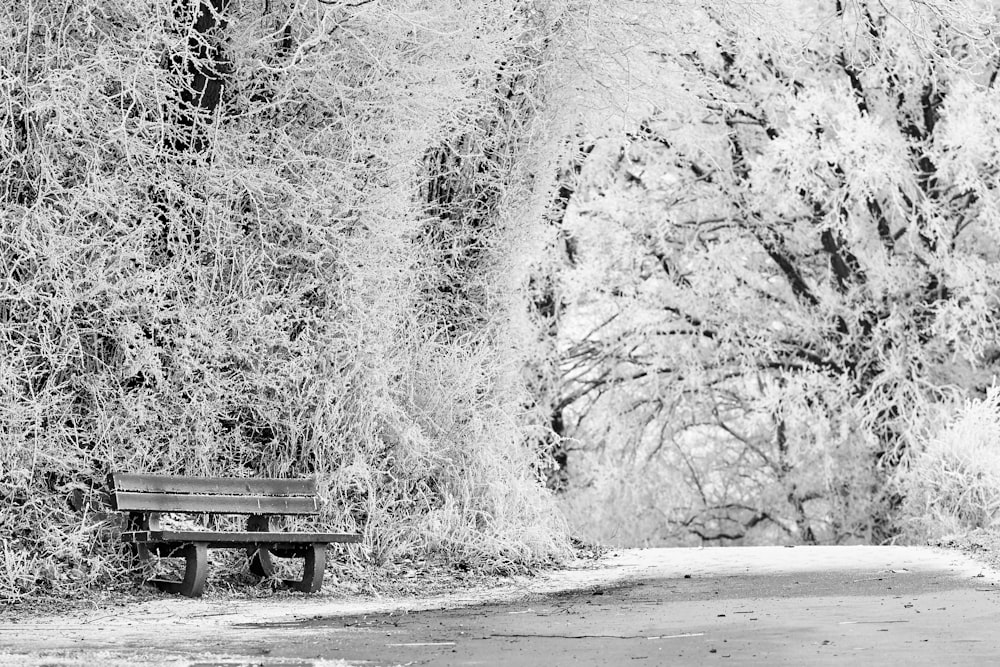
219,495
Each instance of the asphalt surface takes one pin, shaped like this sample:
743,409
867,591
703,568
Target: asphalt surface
733,606
878,618
890,619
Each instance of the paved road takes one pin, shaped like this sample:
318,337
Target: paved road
830,618
882,618
793,607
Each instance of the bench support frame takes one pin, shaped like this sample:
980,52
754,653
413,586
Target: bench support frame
195,555
195,569
261,565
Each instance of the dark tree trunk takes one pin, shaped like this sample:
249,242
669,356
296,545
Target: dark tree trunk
201,72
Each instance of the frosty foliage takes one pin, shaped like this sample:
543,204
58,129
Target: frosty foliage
953,485
271,238
774,284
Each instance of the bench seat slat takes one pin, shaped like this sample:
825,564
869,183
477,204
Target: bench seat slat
150,483
236,539
179,502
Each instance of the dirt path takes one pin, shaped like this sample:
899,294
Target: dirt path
814,605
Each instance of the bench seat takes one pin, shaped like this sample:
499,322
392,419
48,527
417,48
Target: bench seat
222,540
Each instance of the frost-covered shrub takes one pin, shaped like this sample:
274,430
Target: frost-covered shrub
954,483
224,250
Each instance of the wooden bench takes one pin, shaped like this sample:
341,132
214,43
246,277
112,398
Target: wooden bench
145,497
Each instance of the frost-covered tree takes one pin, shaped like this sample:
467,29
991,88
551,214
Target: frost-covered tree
787,270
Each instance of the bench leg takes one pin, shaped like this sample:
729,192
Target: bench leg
138,555
195,572
261,564
138,552
313,566
312,570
